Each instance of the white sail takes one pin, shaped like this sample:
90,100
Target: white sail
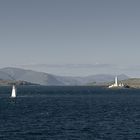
13,95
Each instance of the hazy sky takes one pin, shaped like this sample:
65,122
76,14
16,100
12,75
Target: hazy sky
71,37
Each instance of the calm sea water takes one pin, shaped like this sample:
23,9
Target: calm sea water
69,113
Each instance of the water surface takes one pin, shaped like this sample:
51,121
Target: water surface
69,113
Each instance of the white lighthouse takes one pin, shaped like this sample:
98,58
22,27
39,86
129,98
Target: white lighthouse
116,81
116,84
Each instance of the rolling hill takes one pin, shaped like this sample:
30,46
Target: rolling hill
42,78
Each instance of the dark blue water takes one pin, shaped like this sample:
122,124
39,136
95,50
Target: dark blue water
70,113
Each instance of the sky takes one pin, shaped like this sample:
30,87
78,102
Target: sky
71,37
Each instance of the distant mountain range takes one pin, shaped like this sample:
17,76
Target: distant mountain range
18,74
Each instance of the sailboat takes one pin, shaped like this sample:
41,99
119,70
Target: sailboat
13,95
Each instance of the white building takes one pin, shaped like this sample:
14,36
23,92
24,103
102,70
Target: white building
116,84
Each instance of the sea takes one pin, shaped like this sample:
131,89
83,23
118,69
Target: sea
69,113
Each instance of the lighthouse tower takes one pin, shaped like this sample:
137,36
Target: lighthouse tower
116,81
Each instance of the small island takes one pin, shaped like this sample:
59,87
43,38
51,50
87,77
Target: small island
18,83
